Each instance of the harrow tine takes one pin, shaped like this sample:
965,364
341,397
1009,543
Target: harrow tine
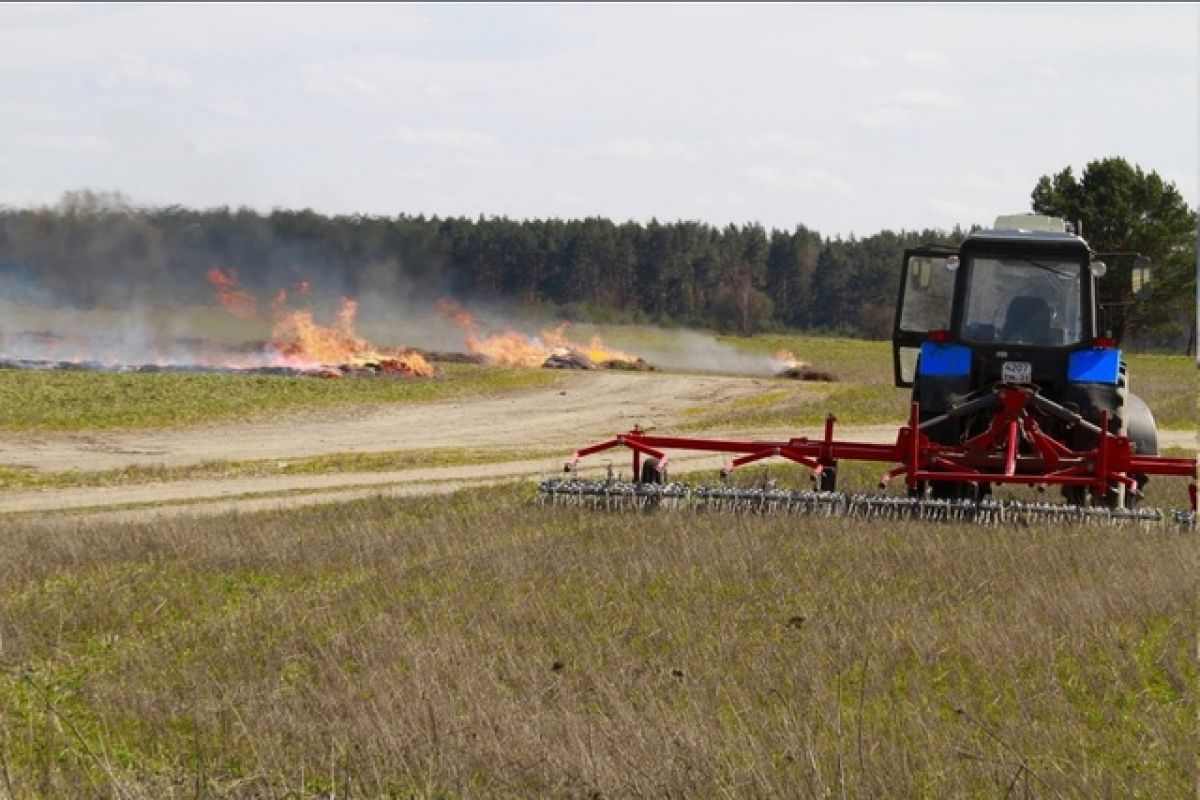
617,495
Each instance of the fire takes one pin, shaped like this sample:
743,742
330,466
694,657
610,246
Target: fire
785,360
509,349
298,340
513,349
596,349
453,312
297,334
237,301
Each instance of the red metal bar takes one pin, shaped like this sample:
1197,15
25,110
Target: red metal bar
787,452
919,459
1163,465
1102,456
914,449
1010,450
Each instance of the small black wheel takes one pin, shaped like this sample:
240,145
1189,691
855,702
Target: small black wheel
954,490
652,473
827,480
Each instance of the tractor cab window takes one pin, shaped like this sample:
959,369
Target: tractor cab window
928,294
1029,301
926,303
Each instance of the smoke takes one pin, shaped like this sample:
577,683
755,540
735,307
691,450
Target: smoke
97,279
691,351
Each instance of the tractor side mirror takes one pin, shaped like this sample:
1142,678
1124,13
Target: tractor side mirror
1140,275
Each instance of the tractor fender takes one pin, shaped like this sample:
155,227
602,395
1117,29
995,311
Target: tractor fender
1143,432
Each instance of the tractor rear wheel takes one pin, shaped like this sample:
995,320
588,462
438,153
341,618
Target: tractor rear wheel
1131,417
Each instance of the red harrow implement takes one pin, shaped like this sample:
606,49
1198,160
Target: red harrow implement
942,480
1015,378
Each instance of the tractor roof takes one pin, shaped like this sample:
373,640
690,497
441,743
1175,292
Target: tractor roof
1030,228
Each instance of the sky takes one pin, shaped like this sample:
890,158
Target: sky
846,118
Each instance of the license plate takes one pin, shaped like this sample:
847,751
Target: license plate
1016,372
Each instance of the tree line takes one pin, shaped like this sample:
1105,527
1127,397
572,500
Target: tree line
95,249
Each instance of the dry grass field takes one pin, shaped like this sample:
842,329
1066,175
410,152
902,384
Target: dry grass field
477,644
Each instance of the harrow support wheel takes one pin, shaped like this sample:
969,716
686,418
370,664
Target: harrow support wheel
652,472
827,480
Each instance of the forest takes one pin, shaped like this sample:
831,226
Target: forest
97,249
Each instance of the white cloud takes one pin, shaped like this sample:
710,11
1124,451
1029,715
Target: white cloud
848,63
777,141
456,138
1047,71
807,179
925,59
339,90
337,81
882,118
957,212
224,105
927,98
65,142
644,149
134,71
409,174
963,182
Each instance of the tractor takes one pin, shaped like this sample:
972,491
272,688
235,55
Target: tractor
1014,377
1016,306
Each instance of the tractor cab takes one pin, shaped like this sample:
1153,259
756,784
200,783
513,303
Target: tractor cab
1018,295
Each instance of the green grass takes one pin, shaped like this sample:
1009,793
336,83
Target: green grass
477,646
1169,386
69,401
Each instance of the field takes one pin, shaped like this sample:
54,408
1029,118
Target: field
255,597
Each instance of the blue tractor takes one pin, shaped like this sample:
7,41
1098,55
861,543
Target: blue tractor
1016,306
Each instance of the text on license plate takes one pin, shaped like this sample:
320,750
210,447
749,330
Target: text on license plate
1016,372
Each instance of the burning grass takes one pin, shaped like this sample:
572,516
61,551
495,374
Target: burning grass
551,348
432,648
299,341
65,401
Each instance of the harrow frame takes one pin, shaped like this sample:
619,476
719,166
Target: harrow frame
1013,450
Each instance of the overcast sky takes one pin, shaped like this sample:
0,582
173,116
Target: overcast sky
845,118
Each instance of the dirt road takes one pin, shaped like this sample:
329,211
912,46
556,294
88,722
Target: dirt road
586,407
587,404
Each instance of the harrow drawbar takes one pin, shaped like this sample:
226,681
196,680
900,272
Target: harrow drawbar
618,495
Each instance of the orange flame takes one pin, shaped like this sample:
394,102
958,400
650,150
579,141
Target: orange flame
300,341
513,349
786,360
510,349
237,301
297,334
452,312
596,349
